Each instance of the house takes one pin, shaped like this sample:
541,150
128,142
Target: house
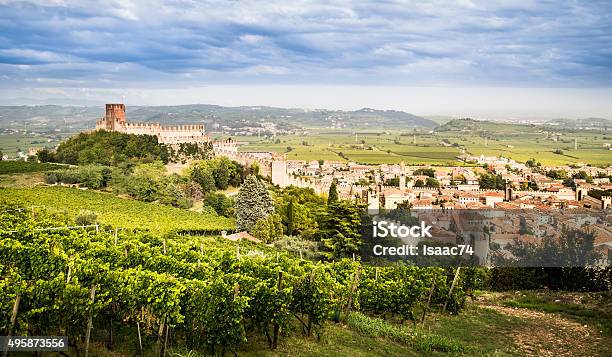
491,198
240,235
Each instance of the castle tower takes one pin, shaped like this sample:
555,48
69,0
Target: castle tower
606,202
581,193
279,172
373,202
402,181
507,192
116,112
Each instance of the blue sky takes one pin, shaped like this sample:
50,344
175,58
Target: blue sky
92,50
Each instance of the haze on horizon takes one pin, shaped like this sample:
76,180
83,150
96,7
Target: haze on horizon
484,59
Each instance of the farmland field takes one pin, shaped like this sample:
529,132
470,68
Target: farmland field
437,148
11,143
115,211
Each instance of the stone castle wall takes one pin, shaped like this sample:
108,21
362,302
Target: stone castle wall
115,120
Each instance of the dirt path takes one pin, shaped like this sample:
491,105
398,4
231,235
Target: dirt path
549,334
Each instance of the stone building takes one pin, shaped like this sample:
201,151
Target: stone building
114,120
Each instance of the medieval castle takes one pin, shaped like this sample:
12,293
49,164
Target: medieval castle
114,120
173,135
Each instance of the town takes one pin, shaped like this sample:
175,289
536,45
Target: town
463,187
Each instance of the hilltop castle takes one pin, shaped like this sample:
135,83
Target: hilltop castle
114,120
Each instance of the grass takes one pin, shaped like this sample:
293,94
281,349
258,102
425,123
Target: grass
416,338
116,211
480,329
21,180
486,330
339,340
583,308
436,148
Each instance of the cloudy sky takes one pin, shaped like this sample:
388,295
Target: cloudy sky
463,58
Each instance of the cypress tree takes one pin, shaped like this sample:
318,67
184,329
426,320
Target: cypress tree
290,218
332,196
253,202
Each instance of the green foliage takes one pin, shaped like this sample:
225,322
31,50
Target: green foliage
222,204
432,182
425,171
119,212
340,229
143,184
196,286
110,148
86,217
332,195
299,247
191,151
16,167
490,181
300,209
557,174
533,163
222,174
268,229
600,193
218,173
45,155
574,247
203,176
568,279
91,176
253,202
423,341
392,182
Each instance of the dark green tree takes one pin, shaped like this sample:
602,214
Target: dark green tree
332,195
432,182
44,155
204,178
222,175
427,172
340,229
253,202
290,217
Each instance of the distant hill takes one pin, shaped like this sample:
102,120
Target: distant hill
78,118
482,126
578,124
500,128
440,119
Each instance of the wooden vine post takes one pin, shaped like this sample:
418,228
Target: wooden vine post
160,335
13,318
139,336
450,291
431,290
354,286
90,320
276,326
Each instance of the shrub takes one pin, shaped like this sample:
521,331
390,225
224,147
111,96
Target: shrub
86,218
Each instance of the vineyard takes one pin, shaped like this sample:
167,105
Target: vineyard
16,167
117,212
201,293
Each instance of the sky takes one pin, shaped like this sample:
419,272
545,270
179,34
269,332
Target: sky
463,58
